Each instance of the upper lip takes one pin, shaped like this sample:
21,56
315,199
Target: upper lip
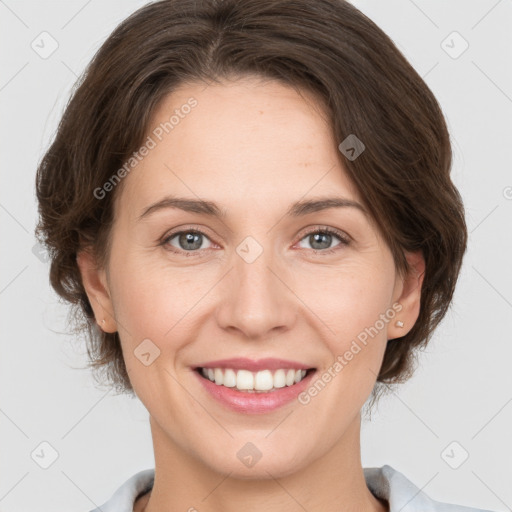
242,363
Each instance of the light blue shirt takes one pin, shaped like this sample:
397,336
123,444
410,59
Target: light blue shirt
384,482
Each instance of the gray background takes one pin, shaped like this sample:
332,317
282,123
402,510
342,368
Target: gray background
462,390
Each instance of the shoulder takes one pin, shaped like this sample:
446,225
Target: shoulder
388,483
124,498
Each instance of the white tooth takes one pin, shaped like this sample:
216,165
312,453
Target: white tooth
229,378
279,379
263,380
290,377
219,378
244,380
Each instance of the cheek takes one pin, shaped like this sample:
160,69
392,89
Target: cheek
348,298
354,307
154,301
355,303
154,310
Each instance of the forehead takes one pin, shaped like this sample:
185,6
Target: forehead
245,142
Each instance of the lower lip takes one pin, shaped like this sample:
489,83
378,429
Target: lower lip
254,403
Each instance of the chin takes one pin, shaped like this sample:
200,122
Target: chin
248,462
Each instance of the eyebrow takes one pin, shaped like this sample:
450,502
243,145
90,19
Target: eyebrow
298,209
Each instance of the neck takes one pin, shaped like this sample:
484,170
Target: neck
333,482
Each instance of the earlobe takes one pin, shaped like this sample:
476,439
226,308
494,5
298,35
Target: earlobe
409,296
96,286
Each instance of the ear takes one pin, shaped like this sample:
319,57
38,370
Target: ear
96,286
407,293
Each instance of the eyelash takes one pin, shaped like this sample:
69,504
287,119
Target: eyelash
343,238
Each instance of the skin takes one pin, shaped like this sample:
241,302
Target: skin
254,148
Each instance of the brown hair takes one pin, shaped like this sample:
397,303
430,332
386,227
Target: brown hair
327,47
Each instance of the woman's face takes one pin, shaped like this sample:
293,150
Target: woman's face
252,275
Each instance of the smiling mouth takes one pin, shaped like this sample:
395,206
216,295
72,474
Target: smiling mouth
264,381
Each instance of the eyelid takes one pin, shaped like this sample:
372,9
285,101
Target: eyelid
344,236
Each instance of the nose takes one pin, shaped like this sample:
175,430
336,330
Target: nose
257,301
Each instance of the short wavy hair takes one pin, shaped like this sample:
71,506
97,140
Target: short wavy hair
326,47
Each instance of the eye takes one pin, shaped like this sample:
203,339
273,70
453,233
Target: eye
321,239
189,241
192,241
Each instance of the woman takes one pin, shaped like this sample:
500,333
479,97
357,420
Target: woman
250,203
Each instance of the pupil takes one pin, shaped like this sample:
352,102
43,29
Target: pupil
318,236
188,238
